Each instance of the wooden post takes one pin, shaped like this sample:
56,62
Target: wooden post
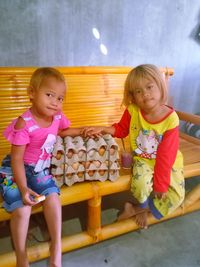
94,214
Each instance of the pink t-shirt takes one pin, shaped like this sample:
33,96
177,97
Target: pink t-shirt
39,141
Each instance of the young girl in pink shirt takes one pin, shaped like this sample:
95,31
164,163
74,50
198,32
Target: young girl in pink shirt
24,175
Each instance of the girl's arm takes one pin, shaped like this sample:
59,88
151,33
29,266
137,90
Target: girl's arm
96,131
70,132
119,130
166,156
17,163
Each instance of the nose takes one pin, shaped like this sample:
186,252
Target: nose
145,92
54,102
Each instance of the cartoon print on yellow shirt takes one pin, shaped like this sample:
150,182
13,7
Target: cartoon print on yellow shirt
147,143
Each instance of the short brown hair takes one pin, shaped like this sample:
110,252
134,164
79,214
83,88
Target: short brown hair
135,79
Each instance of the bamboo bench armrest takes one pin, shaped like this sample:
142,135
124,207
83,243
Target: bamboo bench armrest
188,117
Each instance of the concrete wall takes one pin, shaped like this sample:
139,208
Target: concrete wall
162,32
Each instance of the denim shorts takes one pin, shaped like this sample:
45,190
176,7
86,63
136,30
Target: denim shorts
40,182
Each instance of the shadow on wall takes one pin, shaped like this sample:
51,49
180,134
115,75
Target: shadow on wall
195,34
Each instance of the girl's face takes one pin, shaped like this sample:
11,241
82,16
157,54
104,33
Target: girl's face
147,96
47,100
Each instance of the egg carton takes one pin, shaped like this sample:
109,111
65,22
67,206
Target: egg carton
112,147
74,174
58,159
96,171
58,147
113,171
96,149
58,175
75,149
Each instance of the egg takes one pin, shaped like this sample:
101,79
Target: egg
70,153
91,173
112,151
106,162
91,152
101,151
101,172
69,175
97,163
81,153
58,155
80,174
75,165
87,164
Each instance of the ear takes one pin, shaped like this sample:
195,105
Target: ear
30,91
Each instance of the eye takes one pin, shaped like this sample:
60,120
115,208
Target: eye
49,94
138,91
150,87
60,99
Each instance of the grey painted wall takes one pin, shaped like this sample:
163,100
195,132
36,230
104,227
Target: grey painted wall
162,32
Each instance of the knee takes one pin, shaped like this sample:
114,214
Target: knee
22,213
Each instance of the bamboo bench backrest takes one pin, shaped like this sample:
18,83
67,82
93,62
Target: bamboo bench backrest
94,95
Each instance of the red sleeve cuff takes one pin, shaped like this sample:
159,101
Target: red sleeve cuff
122,127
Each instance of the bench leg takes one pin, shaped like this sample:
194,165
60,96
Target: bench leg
94,216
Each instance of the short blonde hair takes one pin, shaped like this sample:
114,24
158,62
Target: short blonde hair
136,77
42,73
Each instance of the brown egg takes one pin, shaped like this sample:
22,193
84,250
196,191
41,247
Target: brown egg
106,162
91,173
112,151
87,164
81,153
69,175
112,172
80,174
70,153
75,165
58,155
101,172
101,151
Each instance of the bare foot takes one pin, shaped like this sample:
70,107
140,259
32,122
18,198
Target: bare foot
131,210
141,219
128,212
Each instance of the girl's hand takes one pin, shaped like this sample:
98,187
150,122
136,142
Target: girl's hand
28,196
92,132
160,195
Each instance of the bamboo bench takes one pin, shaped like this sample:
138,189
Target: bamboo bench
93,98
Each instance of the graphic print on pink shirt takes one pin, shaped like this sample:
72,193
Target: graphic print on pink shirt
45,156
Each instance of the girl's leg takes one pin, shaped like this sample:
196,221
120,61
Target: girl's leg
19,227
131,210
174,198
141,188
52,213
